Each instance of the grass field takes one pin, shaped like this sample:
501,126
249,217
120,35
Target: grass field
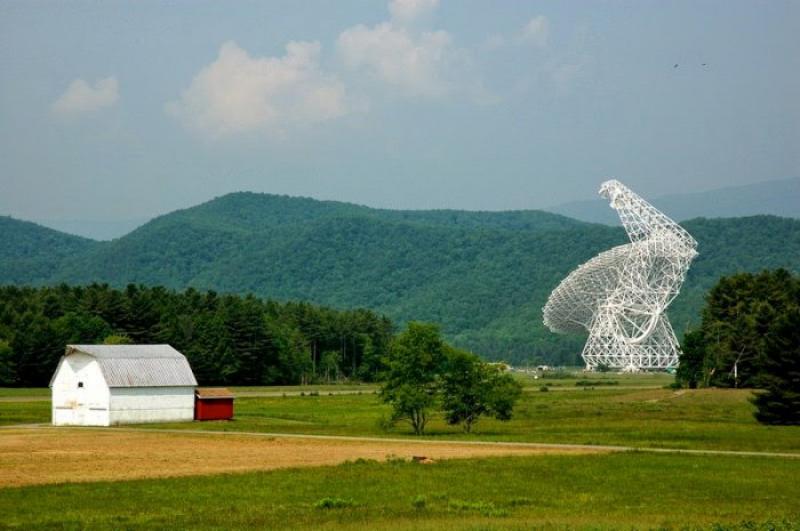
627,490
620,490
708,419
623,414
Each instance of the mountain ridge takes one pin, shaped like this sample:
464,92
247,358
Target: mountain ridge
483,276
776,197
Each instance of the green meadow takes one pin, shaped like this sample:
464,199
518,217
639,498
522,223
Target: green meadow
640,490
707,419
621,491
636,410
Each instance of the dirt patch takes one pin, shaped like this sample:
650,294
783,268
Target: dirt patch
58,455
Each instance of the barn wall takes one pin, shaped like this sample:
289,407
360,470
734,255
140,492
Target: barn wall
131,405
79,406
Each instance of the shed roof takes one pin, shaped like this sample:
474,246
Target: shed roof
139,365
213,392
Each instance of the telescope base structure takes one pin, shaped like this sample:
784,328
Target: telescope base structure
658,351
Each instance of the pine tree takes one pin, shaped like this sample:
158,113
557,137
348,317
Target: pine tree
779,402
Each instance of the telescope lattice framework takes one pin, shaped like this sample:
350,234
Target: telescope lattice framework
620,296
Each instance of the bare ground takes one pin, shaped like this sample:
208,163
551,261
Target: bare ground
31,456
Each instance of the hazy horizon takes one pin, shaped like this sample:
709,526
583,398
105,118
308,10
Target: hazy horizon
116,113
771,197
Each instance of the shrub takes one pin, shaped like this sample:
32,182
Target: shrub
334,503
419,502
543,389
590,383
517,502
484,508
556,375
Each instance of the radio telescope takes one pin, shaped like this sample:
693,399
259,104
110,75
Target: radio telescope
620,296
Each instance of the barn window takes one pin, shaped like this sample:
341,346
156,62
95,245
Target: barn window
80,384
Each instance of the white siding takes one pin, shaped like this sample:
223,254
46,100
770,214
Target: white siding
80,406
130,405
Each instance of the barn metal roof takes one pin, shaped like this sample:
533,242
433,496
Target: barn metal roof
139,365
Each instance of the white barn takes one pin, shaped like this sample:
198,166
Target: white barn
101,385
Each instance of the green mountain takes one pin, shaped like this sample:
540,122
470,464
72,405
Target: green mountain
30,253
483,275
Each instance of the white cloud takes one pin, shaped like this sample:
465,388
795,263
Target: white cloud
536,31
239,93
406,11
416,63
82,97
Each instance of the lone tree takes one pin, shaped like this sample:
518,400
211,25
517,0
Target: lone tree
425,374
416,358
471,388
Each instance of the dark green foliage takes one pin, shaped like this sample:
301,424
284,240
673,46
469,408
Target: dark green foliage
30,253
779,402
588,383
691,370
419,502
228,339
415,362
750,337
8,365
424,373
334,503
471,388
483,275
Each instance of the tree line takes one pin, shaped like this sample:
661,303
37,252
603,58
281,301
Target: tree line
749,336
228,339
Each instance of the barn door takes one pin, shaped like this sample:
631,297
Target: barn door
81,402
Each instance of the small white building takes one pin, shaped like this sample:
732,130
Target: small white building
101,385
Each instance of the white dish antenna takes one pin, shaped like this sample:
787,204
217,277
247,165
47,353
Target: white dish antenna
620,296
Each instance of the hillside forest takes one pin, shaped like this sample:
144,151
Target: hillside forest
483,276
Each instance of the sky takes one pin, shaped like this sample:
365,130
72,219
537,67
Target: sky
123,111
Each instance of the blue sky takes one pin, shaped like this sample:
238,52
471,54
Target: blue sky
114,111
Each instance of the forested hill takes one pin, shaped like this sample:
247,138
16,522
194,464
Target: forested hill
30,253
483,275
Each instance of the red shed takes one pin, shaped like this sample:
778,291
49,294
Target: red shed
213,403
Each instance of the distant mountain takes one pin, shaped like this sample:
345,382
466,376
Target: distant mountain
483,275
778,198
94,229
30,253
